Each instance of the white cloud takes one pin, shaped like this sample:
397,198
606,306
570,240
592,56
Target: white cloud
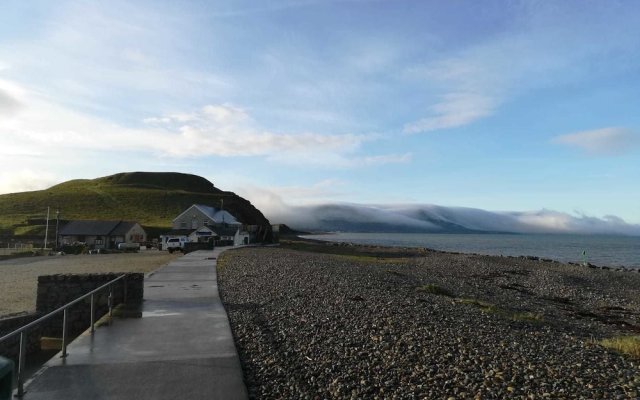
25,180
432,218
605,141
455,109
271,197
8,104
11,98
214,130
278,203
226,130
380,160
551,44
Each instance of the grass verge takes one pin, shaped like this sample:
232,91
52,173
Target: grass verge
222,261
487,307
435,289
624,344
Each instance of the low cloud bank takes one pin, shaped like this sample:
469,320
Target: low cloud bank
433,218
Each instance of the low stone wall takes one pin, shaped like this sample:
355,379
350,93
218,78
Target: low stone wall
57,290
54,291
11,347
195,246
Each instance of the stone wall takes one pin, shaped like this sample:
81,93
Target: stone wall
57,290
54,291
11,347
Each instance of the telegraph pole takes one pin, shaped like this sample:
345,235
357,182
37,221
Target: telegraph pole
46,231
57,222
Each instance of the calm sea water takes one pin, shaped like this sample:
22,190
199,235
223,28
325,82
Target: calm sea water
600,250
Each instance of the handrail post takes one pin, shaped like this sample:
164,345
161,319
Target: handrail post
93,315
110,301
124,295
23,331
21,357
64,333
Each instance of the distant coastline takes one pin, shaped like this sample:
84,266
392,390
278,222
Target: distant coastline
602,251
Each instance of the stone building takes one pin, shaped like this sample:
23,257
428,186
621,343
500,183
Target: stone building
199,215
200,223
101,234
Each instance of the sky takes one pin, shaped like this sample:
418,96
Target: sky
497,105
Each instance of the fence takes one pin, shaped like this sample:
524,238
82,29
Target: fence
8,249
23,331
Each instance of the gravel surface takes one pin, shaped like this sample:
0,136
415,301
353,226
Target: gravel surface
19,276
438,325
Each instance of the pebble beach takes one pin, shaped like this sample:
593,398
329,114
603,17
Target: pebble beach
318,321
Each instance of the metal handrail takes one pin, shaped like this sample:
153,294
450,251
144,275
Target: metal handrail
21,331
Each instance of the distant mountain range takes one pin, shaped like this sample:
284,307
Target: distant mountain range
155,198
439,219
151,198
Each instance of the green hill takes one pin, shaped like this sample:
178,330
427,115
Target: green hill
151,198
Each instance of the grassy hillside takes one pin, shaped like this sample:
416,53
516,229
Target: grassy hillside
153,199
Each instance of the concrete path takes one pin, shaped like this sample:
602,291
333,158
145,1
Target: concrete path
181,348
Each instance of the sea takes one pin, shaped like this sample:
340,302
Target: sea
601,250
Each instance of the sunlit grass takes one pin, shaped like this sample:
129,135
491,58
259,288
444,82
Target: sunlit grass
483,305
624,344
153,204
491,308
527,316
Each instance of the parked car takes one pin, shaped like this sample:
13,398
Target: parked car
175,244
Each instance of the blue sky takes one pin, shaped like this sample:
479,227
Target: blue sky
519,105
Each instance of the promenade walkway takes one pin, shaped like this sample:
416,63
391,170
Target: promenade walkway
181,348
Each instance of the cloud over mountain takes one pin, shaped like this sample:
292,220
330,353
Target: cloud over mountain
433,218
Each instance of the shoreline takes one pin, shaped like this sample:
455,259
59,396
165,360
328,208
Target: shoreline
618,268
345,320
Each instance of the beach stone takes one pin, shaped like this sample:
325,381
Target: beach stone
311,325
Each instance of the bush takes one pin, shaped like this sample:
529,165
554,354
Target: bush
77,248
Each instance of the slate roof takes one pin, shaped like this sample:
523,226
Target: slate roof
218,230
123,227
96,228
217,216
179,232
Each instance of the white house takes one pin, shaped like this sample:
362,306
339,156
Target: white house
202,234
241,237
200,223
199,215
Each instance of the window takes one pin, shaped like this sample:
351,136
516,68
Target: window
183,225
206,222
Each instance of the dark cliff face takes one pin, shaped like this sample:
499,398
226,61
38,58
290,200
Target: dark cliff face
161,180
